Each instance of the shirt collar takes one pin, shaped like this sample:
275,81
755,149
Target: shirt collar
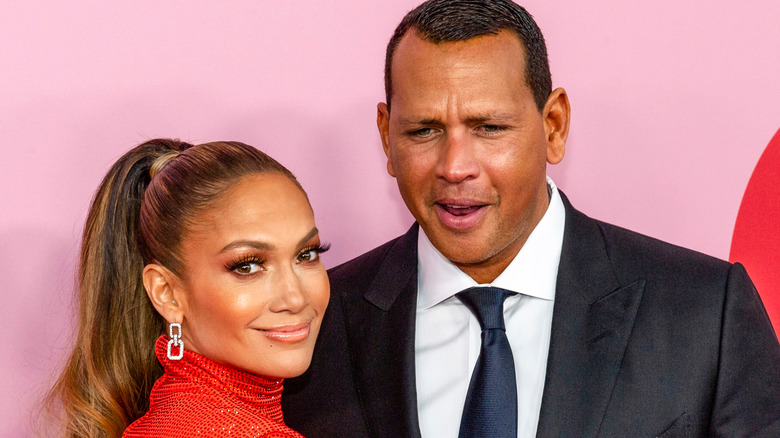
532,272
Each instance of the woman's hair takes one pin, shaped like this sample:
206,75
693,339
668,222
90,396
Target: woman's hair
149,198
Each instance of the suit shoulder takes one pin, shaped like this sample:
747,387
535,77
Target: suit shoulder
362,268
622,242
652,257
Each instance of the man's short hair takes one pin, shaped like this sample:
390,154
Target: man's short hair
439,21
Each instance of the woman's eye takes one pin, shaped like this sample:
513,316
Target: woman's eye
308,256
247,268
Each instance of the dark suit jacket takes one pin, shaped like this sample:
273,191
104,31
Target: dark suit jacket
648,339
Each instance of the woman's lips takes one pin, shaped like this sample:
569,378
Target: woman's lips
460,215
287,333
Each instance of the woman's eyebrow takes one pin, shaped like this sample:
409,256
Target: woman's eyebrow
265,246
256,244
313,232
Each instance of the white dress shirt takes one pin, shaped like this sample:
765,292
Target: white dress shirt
447,335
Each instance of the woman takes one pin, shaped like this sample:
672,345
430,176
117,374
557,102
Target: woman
214,245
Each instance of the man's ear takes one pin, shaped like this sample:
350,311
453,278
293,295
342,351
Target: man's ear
162,288
383,124
556,116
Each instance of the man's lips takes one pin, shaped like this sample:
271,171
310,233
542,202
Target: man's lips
460,210
460,214
291,333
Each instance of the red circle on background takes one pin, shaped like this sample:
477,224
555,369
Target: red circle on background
756,240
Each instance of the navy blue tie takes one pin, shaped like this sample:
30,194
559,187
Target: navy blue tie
490,410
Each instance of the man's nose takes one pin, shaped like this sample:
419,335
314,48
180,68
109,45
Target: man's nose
457,160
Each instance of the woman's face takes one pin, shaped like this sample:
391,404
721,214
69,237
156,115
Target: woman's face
255,290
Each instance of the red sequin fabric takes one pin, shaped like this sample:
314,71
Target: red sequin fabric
198,397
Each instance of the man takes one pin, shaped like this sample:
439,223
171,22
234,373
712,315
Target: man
603,332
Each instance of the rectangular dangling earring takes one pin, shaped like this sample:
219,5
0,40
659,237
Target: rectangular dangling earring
175,341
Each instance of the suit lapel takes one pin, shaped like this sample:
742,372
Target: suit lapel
592,321
380,327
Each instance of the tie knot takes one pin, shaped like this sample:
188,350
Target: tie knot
487,304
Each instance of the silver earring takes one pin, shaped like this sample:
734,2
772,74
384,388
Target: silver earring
175,341
174,302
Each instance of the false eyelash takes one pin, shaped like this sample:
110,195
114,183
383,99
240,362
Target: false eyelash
243,261
319,249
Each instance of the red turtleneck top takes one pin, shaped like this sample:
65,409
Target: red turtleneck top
198,397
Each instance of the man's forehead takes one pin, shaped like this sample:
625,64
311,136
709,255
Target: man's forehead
421,67
414,50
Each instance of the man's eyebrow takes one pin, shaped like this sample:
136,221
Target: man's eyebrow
414,121
490,117
477,118
265,246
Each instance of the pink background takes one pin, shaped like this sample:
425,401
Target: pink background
673,103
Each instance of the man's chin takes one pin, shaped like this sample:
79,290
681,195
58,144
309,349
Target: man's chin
462,251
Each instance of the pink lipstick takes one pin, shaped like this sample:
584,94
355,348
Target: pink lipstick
288,333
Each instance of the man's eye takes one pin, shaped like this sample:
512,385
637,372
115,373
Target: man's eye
491,129
422,133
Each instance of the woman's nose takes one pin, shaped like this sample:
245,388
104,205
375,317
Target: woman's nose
291,295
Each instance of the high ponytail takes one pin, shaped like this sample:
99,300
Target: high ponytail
141,210
108,377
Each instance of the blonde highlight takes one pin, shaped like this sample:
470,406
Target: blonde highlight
161,162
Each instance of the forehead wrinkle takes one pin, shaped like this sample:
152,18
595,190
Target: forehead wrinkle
452,104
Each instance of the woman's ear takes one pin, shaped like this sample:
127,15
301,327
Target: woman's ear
162,288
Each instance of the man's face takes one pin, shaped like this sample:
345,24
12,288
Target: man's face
469,148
